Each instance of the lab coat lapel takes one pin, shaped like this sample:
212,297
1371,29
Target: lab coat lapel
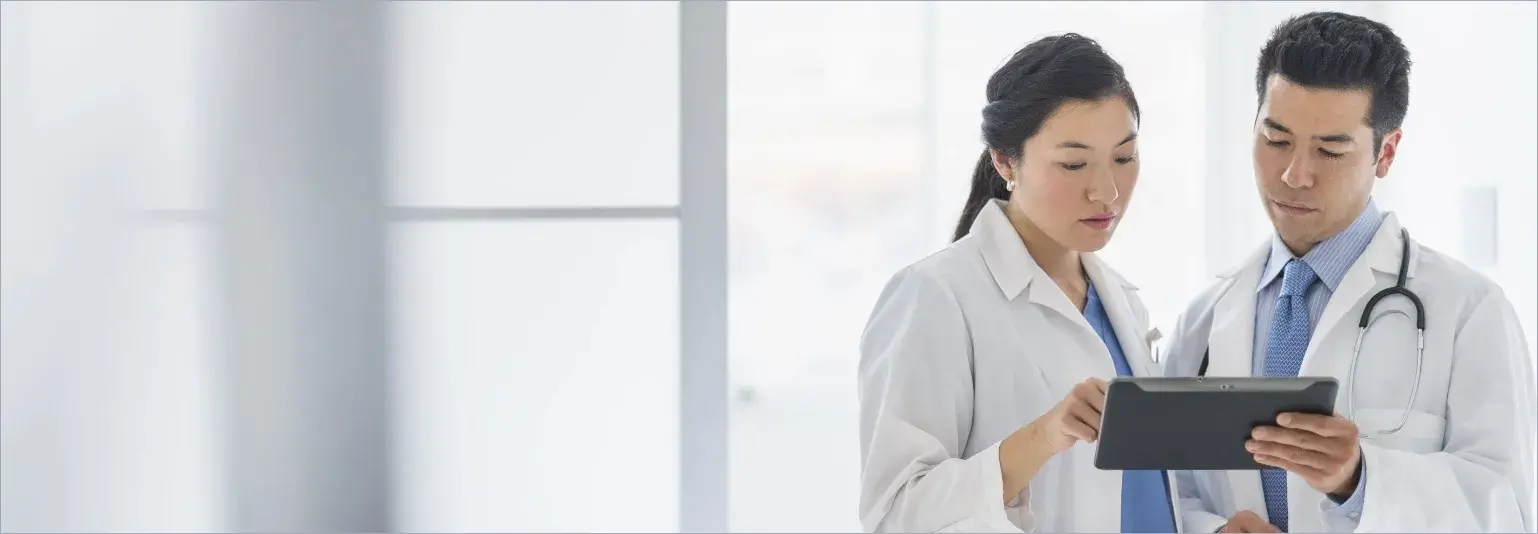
1350,298
1231,340
1036,304
1091,358
1230,346
1116,295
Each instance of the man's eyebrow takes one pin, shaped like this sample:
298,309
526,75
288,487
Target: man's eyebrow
1330,138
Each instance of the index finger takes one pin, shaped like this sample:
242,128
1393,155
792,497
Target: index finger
1087,394
1324,425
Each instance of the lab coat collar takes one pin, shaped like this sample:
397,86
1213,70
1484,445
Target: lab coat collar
1382,254
1330,258
1385,249
1253,261
1008,261
1097,266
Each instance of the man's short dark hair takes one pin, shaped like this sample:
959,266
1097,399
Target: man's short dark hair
1330,50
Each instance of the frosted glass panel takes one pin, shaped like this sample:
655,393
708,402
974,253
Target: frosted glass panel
536,103
108,394
537,376
116,80
838,85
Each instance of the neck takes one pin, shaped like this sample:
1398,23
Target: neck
1299,248
1061,263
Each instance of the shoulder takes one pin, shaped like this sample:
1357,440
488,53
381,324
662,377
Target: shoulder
1450,284
1206,299
1188,342
933,290
948,272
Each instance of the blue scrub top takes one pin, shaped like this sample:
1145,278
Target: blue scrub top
1145,504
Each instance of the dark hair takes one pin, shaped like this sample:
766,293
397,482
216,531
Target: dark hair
1329,50
1032,85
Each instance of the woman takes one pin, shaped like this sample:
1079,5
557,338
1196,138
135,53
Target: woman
983,365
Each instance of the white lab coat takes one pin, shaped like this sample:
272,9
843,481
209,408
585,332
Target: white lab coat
963,348
1463,461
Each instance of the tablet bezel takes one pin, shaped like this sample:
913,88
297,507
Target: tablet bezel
1242,404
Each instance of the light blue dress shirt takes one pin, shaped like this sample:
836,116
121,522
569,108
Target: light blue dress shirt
1145,501
1329,260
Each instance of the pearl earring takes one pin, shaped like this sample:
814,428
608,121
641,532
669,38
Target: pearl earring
1009,185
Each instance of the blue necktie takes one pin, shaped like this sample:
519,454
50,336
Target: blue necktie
1284,355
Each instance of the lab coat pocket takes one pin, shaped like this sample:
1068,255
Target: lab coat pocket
1422,432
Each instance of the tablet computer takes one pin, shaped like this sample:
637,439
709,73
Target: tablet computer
1198,423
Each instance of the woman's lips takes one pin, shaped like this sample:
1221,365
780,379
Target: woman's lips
1099,222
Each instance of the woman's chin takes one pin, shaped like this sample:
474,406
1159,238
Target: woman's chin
1090,240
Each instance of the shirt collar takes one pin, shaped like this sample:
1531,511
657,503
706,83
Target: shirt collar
1331,258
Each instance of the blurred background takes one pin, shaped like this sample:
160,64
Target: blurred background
513,266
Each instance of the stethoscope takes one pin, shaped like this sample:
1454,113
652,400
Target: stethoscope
1366,322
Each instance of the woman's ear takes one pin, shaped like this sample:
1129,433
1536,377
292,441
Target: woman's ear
1001,164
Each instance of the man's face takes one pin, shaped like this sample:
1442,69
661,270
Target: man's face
1314,159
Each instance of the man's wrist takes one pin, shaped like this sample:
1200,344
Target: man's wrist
1349,487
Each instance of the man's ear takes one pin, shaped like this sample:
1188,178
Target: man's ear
1001,164
1387,151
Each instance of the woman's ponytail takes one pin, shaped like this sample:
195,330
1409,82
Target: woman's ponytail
986,186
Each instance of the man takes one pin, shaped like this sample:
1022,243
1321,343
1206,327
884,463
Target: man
1448,440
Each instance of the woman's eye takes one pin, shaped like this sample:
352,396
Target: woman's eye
1126,160
1277,144
1072,166
1329,154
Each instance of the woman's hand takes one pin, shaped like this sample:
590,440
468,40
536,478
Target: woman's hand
1076,418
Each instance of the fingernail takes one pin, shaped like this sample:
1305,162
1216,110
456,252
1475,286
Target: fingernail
1284,419
1250,446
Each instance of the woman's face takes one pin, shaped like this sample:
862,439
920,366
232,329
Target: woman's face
1076,175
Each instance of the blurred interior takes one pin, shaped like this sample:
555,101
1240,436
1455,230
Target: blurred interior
418,266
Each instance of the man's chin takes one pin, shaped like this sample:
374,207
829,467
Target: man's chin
1296,236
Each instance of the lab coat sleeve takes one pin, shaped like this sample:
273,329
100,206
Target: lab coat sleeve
1482,480
915,418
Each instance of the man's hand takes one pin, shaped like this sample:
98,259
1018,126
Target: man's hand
1321,449
1247,521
